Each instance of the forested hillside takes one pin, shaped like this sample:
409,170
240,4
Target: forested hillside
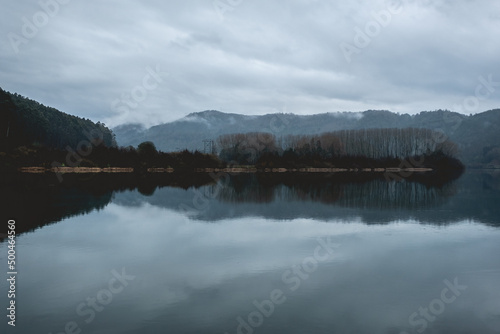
477,136
34,135
27,122
24,122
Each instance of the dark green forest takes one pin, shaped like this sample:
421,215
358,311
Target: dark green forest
27,122
34,135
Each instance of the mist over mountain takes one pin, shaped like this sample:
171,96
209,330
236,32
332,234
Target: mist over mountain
24,121
478,136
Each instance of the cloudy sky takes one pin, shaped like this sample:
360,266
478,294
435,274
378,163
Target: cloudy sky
156,61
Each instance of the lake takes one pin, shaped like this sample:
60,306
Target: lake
255,254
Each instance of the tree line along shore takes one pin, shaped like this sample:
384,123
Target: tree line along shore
375,150
37,138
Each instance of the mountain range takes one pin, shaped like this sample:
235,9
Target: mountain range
24,122
478,136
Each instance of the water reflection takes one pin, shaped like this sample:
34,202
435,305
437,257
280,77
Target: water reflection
342,190
38,200
198,269
373,201
194,277
280,196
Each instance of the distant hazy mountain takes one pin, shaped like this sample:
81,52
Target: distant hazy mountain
478,135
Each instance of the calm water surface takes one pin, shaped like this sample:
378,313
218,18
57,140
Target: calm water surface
254,255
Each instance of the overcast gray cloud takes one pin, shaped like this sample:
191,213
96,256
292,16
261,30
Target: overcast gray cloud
155,61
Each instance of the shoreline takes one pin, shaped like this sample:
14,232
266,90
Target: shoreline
75,170
95,170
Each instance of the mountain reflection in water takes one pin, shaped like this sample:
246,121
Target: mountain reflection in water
371,199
